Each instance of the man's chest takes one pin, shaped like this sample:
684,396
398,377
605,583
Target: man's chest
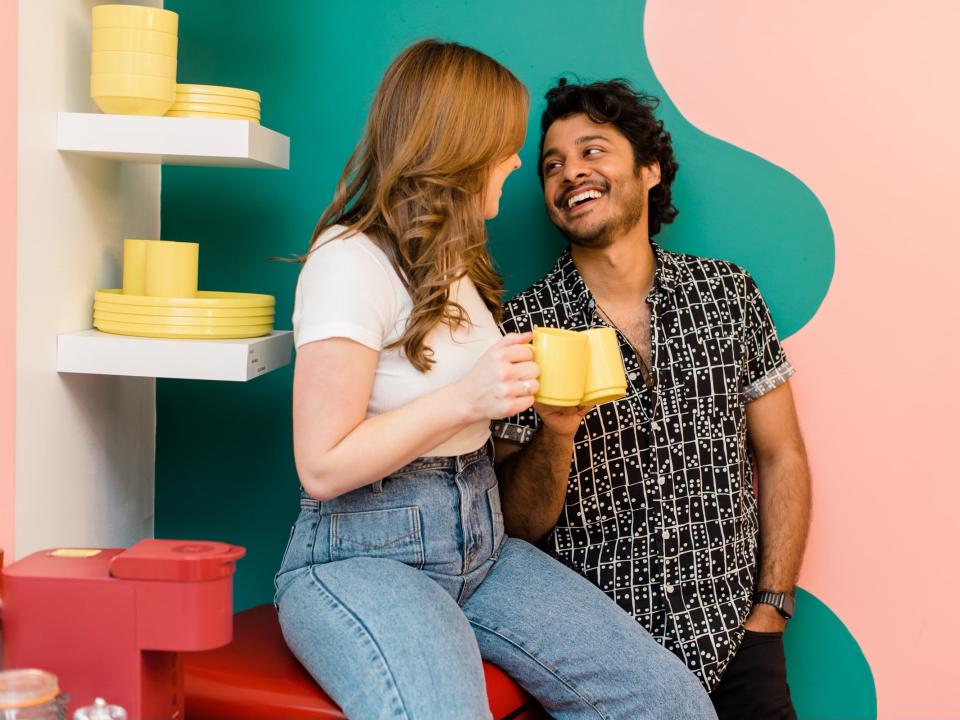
684,410
633,323
693,352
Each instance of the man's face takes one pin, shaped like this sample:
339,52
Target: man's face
591,186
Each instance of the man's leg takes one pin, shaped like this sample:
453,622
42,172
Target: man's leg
384,641
574,649
754,685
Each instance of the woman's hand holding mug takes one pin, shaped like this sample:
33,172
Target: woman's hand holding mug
503,381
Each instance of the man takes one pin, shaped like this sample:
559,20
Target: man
657,506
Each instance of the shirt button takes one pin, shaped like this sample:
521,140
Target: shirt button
661,480
669,588
633,376
656,425
666,534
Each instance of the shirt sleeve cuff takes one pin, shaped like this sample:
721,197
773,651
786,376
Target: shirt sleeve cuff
772,380
357,333
513,432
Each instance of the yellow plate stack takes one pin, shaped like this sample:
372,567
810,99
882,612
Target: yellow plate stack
133,67
160,299
209,315
215,101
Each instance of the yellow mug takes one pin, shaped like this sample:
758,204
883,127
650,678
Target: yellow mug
606,379
172,269
135,266
562,358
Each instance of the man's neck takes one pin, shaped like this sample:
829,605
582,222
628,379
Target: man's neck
620,273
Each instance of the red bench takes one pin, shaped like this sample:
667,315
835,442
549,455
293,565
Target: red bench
256,676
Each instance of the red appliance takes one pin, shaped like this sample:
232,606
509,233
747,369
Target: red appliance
256,677
112,622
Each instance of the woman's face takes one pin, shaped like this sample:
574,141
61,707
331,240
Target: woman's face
499,172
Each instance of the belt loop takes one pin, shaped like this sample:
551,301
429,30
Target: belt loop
377,487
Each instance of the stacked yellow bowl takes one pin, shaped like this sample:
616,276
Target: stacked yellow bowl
160,298
207,315
215,101
133,66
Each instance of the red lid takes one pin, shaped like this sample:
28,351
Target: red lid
176,560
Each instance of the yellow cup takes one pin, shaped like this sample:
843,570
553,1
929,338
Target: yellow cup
133,40
135,267
133,63
605,379
562,358
132,94
135,16
172,269
134,86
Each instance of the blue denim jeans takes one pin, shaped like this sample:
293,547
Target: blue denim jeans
390,595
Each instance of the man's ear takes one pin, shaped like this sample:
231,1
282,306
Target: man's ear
651,174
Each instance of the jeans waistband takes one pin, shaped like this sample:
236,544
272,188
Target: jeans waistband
452,463
455,463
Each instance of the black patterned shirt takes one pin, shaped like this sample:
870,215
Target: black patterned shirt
660,511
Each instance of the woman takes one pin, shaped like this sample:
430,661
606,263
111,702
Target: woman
398,578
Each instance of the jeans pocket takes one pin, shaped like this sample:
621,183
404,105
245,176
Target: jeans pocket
392,534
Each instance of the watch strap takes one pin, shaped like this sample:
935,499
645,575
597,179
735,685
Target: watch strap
783,602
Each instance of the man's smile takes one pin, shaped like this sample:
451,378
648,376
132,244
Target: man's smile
578,201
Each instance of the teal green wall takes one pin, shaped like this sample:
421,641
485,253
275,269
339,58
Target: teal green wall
828,673
224,459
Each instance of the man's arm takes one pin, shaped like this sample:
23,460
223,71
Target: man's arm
783,497
533,478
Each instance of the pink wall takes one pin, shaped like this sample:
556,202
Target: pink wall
858,99
8,266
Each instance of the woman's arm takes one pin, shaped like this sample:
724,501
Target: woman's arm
336,450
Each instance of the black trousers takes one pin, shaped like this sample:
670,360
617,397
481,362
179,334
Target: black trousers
754,685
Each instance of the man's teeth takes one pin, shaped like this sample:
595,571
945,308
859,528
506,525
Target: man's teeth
586,195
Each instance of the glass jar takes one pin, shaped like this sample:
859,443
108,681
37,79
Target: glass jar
31,695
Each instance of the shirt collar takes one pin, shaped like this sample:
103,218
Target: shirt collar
581,299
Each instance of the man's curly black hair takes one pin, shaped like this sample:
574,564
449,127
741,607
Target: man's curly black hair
631,112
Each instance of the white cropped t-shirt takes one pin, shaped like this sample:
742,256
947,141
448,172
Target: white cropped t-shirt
348,288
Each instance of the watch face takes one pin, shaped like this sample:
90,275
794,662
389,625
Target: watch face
788,605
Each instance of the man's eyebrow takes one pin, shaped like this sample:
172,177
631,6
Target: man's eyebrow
579,141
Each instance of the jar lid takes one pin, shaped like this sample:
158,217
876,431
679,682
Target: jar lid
26,688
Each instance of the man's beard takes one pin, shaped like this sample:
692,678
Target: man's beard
603,234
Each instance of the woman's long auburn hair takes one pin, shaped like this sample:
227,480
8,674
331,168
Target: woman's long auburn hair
443,116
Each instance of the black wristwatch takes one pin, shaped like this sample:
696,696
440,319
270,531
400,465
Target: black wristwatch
783,602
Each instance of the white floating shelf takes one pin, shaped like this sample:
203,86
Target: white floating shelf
94,352
175,141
